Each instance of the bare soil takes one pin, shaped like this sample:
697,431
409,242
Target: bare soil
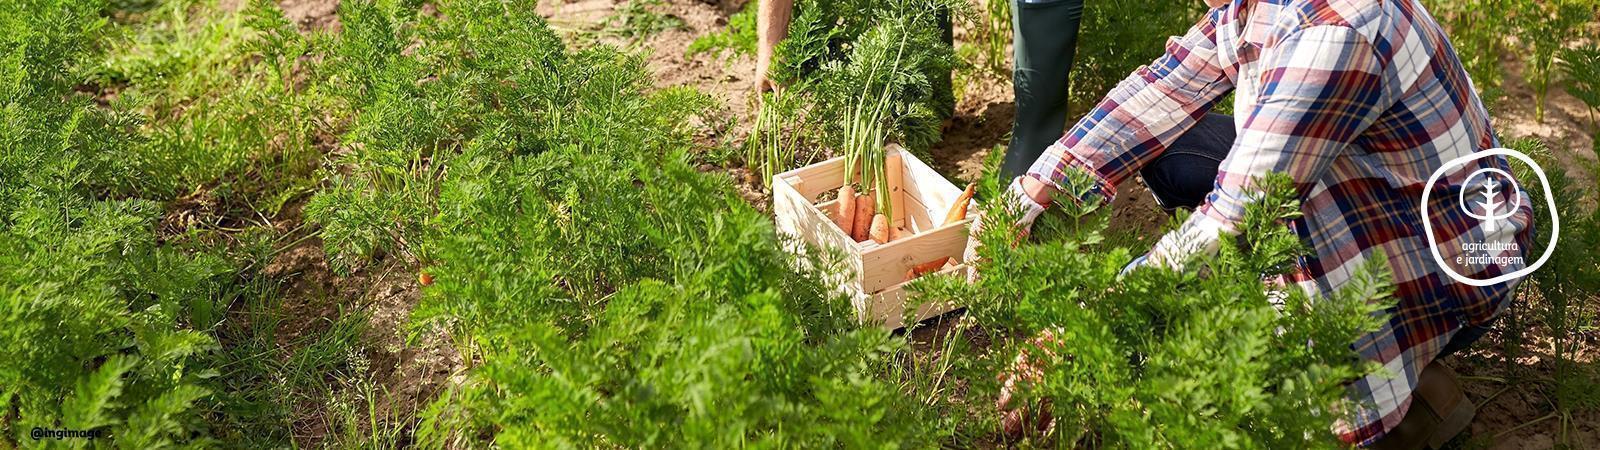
404,377
321,15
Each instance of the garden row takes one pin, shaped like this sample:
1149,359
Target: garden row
602,289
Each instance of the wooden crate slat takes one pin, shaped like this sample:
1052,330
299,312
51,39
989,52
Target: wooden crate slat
896,171
936,193
798,217
889,306
811,181
886,265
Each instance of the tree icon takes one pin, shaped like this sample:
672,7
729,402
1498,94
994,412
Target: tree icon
1491,203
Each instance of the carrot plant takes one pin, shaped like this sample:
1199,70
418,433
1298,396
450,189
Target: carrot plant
1478,31
1581,66
689,327
1157,358
834,46
739,38
1118,36
103,327
770,148
1561,296
1544,28
603,291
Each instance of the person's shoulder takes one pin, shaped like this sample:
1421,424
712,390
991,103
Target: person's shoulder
1293,14
1368,18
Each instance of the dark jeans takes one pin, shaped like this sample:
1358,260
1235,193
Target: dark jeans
1464,338
1183,175
1044,43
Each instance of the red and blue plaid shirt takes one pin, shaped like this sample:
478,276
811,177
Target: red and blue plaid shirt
1359,102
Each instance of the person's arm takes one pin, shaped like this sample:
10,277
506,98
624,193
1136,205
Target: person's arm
1322,86
1132,125
772,24
1139,118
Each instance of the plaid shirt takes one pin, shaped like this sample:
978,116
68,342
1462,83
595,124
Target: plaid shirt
1359,102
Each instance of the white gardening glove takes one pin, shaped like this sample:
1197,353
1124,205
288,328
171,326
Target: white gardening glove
1018,200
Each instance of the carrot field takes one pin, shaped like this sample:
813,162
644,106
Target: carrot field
523,224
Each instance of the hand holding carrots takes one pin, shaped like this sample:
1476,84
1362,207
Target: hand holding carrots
1017,420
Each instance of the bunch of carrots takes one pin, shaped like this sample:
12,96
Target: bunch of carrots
865,214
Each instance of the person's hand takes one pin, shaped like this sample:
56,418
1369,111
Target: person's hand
1020,197
772,24
763,83
1138,262
1017,420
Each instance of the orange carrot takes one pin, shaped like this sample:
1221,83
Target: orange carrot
958,210
923,269
894,234
863,217
845,217
880,228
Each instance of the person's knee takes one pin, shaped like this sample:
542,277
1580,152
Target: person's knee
1180,180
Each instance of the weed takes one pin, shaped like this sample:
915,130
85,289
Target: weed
639,19
1545,27
1581,66
738,38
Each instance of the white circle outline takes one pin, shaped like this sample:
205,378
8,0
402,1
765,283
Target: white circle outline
1461,198
1427,225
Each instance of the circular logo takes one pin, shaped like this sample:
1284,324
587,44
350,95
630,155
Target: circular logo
1488,192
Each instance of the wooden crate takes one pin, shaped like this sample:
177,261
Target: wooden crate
875,273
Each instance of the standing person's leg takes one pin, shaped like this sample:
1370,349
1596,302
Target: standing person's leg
1045,41
943,85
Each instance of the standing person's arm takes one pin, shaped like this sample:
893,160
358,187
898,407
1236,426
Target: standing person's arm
772,25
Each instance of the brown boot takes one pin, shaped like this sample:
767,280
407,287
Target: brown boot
1439,411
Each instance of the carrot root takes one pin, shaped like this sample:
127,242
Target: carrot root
880,228
958,210
863,217
845,217
923,269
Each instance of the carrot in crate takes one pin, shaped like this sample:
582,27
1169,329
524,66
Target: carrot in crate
880,228
845,217
958,210
863,218
923,269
